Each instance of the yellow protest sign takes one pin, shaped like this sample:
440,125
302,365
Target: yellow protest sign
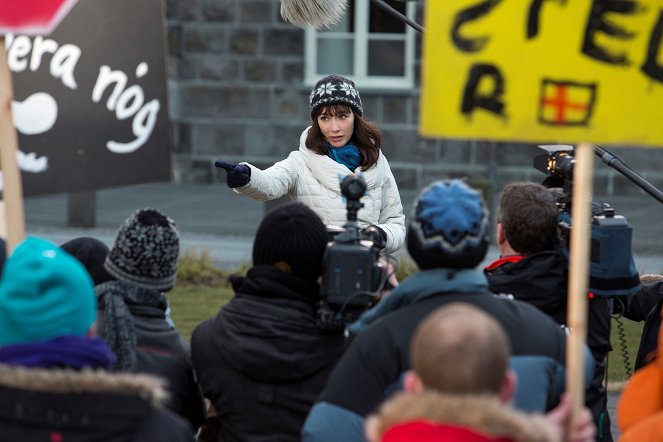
544,70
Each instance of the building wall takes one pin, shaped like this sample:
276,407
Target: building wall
236,93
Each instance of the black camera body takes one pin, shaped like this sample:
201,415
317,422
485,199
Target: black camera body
351,273
612,270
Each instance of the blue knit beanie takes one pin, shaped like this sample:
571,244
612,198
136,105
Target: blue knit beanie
448,227
44,293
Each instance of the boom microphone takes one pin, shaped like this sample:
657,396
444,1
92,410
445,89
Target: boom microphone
317,13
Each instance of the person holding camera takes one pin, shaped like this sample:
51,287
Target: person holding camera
338,143
263,360
448,238
531,268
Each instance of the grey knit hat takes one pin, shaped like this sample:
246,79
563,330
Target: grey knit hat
335,89
145,251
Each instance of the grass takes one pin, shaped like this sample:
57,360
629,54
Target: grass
618,365
193,304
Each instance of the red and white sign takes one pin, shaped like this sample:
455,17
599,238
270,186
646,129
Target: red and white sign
32,17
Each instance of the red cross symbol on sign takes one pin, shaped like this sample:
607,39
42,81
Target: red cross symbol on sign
559,108
32,17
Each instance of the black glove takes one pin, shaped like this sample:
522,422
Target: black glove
238,174
377,235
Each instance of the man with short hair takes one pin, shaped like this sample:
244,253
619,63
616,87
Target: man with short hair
531,268
443,402
448,238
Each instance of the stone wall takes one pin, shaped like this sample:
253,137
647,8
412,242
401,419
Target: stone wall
236,93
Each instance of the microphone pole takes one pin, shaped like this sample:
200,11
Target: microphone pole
622,168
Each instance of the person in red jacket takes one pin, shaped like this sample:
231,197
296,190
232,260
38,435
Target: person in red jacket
460,386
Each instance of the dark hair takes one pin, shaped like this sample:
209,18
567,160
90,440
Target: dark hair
365,135
528,214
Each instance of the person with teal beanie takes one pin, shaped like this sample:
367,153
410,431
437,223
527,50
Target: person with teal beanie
54,383
36,291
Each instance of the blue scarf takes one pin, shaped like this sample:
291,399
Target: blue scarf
65,351
347,155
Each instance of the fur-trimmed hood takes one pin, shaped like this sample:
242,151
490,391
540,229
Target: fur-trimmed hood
64,381
482,414
86,405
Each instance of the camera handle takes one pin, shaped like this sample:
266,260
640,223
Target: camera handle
617,164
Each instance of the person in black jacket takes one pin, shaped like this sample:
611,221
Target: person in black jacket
448,238
531,268
262,361
133,310
53,380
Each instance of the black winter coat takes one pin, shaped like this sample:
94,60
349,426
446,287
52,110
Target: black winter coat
646,306
378,356
161,351
57,404
262,361
541,280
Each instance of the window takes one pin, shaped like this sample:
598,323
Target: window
369,45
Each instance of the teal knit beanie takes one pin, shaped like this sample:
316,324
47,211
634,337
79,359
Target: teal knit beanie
44,293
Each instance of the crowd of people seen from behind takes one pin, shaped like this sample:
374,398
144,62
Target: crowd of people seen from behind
460,350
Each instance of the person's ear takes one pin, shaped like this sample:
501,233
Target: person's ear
92,332
412,383
509,386
501,235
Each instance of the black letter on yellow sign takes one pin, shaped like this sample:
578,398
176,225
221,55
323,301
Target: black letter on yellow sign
651,68
597,22
471,97
466,15
533,17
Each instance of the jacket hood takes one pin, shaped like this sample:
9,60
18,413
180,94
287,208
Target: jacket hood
80,405
539,279
65,381
268,330
483,414
329,172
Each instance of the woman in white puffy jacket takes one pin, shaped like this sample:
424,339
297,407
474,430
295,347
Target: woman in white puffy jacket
338,143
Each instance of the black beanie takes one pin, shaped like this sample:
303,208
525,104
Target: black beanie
293,238
91,253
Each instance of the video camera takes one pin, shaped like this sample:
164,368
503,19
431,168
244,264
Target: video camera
352,275
612,270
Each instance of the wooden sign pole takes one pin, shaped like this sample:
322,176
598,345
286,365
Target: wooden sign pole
13,189
579,276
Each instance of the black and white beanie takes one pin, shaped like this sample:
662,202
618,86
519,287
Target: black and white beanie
335,89
448,227
292,238
145,251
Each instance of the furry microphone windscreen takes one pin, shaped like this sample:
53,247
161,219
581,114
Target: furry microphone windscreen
317,13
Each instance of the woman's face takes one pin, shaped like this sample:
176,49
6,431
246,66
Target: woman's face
337,128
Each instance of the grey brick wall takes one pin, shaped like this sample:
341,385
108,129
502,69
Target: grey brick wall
235,72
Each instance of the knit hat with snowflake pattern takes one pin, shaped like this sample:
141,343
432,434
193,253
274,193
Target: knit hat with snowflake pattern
448,227
335,89
145,251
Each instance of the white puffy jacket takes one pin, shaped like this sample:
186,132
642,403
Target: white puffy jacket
314,180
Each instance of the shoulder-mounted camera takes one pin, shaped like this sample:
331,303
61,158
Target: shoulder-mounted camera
351,273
